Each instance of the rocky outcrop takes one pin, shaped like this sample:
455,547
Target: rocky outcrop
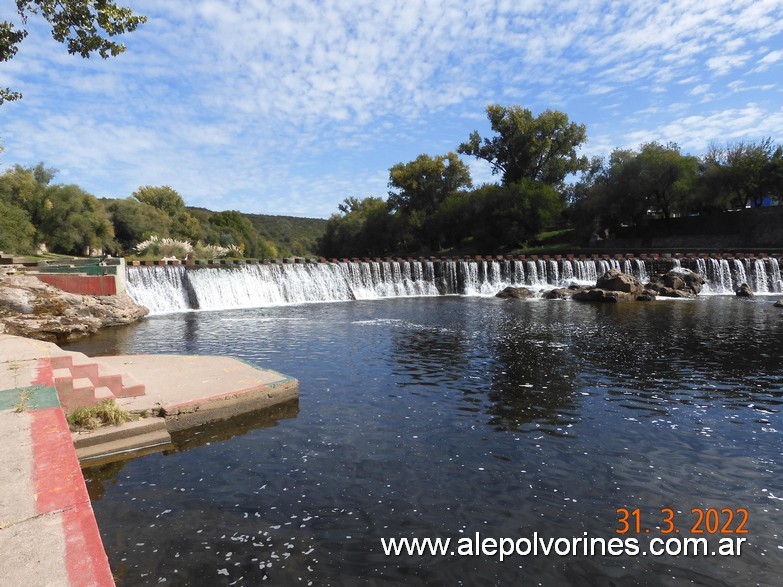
30,308
616,280
518,293
744,291
564,293
778,304
604,295
677,283
615,286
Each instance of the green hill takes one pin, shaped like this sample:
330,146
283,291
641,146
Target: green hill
292,236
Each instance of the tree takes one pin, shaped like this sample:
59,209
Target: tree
666,178
25,188
16,230
362,228
424,183
743,173
161,197
231,228
539,149
136,221
74,221
422,186
495,216
84,26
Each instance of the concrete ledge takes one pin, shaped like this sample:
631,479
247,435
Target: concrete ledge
226,406
115,440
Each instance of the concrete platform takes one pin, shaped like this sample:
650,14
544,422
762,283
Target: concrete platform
189,390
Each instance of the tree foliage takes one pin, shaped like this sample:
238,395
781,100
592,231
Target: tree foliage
630,186
136,221
744,173
232,228
362,228
17,233
86,27
163,198
539,148
422,186
74,221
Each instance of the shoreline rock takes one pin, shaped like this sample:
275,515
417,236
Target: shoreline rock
33,309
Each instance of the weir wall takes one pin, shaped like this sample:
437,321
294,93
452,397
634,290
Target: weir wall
654,262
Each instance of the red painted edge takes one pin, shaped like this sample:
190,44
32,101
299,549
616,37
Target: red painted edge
59,487
85,557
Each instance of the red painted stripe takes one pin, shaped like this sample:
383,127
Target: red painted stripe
58,479
84,555
44,376
59,487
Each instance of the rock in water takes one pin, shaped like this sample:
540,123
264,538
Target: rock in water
677,283
616,280
744,291
779,304
518,293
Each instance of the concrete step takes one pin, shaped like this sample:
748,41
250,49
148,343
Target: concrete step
114,433
75,375
88,370
82,384
103,393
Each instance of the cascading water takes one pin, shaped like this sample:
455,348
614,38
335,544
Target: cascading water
775,280
176,288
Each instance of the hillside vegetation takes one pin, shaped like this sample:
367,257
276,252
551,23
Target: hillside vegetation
39,215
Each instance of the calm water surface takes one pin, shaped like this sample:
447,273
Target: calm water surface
445,417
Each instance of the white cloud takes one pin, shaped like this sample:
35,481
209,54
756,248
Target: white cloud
252,101
699,90
769,59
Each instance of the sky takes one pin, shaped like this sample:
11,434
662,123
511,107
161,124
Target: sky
289,107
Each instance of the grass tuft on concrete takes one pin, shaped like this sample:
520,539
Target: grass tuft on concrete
106,413
23,404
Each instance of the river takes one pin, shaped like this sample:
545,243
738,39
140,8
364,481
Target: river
465,418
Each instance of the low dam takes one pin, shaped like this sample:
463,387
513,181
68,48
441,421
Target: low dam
167,287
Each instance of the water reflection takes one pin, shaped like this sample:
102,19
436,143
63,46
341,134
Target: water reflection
99,473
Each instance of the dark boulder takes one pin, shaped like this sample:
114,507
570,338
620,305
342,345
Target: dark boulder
744,291
563,293
602,295
677,283
518,293
779,304
616,280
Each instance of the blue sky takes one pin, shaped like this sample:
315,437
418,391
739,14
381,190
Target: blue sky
288,107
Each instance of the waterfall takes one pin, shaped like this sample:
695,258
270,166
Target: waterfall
170,288
776,282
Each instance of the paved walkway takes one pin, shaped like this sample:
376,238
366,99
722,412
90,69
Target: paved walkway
48,533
